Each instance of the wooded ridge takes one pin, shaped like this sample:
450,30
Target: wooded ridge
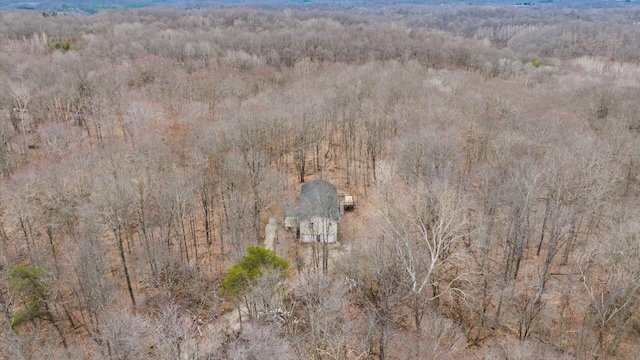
493,153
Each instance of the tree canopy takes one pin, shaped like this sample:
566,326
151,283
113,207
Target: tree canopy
250,267
31,285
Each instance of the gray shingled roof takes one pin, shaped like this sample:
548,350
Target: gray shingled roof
317,198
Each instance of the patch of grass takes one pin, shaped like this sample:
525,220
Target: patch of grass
60,45
537,62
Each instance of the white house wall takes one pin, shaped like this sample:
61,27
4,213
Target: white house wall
320,229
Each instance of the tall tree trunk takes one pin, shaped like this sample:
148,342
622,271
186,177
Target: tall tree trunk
547,212
118,235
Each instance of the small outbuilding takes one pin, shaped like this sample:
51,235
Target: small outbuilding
317,215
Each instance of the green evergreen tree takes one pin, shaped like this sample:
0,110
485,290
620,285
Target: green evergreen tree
32,287
245,275
250,267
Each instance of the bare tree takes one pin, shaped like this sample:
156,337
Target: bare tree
610,275
257,341
440,338
425,225
377,280
127,335
6,160
111,197
251,142
21,94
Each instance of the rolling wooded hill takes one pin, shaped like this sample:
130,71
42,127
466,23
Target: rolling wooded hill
493,152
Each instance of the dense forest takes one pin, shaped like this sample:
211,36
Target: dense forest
493,152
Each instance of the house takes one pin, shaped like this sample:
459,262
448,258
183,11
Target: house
317,215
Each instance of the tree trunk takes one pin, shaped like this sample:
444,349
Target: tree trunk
544,224
118,235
